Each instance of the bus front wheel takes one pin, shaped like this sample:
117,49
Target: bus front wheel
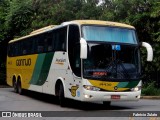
61,96
107,103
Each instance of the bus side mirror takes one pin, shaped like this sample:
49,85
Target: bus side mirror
149,50
83,49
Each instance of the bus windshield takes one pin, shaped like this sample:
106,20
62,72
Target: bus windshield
109,34
107,63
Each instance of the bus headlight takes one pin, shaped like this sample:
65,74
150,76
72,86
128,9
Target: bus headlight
137,88
89,87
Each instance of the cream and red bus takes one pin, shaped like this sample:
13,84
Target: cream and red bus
85,60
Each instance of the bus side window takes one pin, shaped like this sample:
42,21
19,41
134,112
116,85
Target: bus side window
40,49
24,47
29,45
17,50
40,41
60,39
50,46
35,44
48,42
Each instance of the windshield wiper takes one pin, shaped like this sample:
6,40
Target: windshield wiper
114,68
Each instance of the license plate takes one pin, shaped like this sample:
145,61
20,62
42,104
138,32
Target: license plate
115,96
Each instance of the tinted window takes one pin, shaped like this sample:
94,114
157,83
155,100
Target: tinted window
109,34
46,42
74,49
60,36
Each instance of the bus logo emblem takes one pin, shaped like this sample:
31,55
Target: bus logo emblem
73,90
115,88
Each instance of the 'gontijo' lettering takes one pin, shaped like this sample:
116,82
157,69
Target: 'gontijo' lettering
23,62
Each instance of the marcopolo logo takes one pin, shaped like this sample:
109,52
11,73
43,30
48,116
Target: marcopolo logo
60,61
23,62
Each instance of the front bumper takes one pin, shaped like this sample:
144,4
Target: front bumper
106,96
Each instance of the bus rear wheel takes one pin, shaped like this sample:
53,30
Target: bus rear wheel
15,86
19,86
61,96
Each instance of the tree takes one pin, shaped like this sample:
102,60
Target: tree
89,10
42,10
4,5
18,18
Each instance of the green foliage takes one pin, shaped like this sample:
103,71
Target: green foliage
18,18
42,13
149,89
4,5
89,10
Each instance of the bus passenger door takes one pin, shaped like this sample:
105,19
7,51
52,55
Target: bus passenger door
74,61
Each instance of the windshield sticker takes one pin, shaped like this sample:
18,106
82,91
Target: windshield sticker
78,93
116,47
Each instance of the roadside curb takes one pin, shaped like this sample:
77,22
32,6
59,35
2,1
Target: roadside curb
5,86
150,97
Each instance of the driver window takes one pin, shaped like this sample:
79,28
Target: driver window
74,49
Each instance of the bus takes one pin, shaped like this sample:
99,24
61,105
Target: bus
84,60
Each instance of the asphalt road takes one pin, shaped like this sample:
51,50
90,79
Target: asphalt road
32,101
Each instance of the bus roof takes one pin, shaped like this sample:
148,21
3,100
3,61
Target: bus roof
79,22
100,22
42,29
35,32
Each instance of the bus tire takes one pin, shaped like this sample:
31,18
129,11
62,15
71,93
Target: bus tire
107,103
19,86
15,86
61,96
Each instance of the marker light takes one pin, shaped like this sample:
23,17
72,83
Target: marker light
87,96
137,88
